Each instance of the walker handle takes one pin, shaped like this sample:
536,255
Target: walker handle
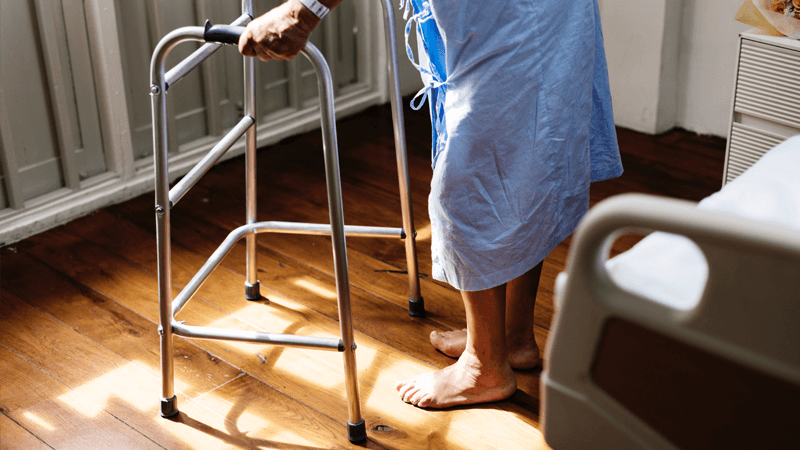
225,34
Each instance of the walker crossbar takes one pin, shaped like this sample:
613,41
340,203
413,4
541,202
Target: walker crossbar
285,340
194,175
167,198
266,227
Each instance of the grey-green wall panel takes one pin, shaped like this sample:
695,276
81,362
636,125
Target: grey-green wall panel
27,103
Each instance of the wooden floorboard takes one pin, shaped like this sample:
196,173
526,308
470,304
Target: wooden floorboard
79,342
15,435
36,396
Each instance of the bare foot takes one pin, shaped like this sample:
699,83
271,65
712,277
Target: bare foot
523,353
466,382
451,343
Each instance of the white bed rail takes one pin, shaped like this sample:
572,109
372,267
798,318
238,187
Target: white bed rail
748,317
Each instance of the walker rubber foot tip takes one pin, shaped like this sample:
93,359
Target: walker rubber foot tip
252,292
169,407
357,432
416,307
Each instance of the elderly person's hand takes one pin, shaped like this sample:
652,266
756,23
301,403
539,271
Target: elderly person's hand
280,33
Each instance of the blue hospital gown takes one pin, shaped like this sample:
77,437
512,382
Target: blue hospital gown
522,123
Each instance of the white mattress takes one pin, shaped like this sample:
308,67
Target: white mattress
671,269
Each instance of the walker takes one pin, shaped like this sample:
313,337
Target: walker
167,198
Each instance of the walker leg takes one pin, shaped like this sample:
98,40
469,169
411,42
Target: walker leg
356,429
252,287
416,304
169,403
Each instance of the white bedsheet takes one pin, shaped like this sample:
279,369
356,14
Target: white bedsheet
672,270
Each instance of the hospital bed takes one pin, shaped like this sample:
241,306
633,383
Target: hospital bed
691,339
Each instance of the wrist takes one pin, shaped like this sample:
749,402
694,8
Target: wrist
306,19
316,7
304,14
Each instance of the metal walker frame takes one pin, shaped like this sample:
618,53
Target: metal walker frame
166,198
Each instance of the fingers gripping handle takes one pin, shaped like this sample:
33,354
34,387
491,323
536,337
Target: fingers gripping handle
225,34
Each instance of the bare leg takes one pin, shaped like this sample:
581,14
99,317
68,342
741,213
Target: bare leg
523,353
482,372
520,302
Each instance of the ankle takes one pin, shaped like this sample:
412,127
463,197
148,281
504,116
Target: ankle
485,358
521,338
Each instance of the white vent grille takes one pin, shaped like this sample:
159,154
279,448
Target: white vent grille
767,85
748,145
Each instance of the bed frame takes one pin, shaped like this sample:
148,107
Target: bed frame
623,371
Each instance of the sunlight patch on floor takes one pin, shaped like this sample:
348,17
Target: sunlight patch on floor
35,418
424,233
253,417
140,390
521,434
80,403
365,356
315,287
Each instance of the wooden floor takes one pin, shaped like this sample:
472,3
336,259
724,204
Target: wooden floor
78,340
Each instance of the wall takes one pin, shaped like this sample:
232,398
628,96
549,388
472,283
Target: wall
634,43
708,52
671,63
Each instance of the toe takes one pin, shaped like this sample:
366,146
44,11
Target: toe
435,338
403,384
418,397
406,387
424,401
409,396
